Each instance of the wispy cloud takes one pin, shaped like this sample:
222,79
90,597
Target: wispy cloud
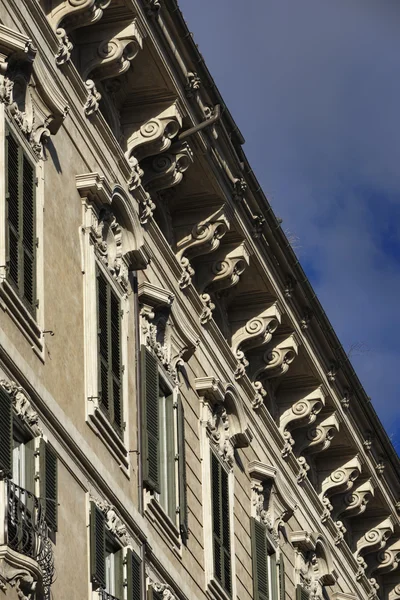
315,89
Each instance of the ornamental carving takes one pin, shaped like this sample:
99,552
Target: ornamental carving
313,563
152,131
107,237
318,438
113,522
300,413
275,359
375,539
239,190
164,590
256,331
218,430
22,405
193,84
339,478
385,561
355,502
72,14
204,237
166,170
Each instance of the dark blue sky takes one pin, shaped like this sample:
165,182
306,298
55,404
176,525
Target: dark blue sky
314,87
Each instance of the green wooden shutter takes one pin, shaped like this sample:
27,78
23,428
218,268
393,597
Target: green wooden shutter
97,546
6,434
151,427
134,579
183,508
282,589
274,577
260,560
103,343
30,448
221,526
49,483
169,429
301,593
116,366
21,219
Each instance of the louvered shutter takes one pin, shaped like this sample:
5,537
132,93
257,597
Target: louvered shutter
274,577
134,579
301,593
49,483
260,560
116,367
13,173
282,590
21,218
221,526
119,574
103,341
97,546
151,427
30,447
6,434
183,509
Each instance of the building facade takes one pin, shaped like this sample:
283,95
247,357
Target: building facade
177,417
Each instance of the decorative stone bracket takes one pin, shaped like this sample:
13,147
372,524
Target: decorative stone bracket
271,500
224,271
152,130
319,438
275,359
373,540
385,561
166,170
355,502
338,477
204,237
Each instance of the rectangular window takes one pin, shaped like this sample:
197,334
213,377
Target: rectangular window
221,524
109,351
21,220
164,442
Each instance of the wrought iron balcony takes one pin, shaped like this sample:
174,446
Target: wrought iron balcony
103,595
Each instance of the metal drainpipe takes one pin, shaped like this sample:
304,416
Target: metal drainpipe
216,116
139,401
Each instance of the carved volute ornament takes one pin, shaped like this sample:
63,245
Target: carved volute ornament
313,563
339,478
22,406
166,170
274,359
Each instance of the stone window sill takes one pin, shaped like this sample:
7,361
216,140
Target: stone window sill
215,591
103,428
163,524
26,323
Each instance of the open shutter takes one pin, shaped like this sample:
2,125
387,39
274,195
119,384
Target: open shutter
151,432
116,366
13,173
48,483
6,434
134,582
301,593
260,560
119,573
28,248
103,341
183,509
97,546
30,448
274,577
282,590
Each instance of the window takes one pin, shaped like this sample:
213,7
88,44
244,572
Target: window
109,351
220,523
164,442
112,566
265,580
21,219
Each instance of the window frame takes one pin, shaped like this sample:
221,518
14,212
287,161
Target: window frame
116,441
30,322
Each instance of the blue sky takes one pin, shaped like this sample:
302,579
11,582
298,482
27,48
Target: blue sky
314,87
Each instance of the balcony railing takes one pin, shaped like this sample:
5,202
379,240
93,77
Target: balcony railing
103,595
23,528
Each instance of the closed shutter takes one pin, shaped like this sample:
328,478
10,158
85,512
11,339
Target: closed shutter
221,526
301,593
109,351
97,546
21,218
282,590
170,456
183,508
30,448
49,483
6,434
134,582
260,560
151,427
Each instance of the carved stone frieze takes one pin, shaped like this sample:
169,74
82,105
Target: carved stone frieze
113,522
166,170
275,359
337,476
373,540
22,405
204,237
253,331
355,502
299,412
164,590
152,130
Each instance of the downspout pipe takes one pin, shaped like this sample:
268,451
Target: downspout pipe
139,408
207,123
